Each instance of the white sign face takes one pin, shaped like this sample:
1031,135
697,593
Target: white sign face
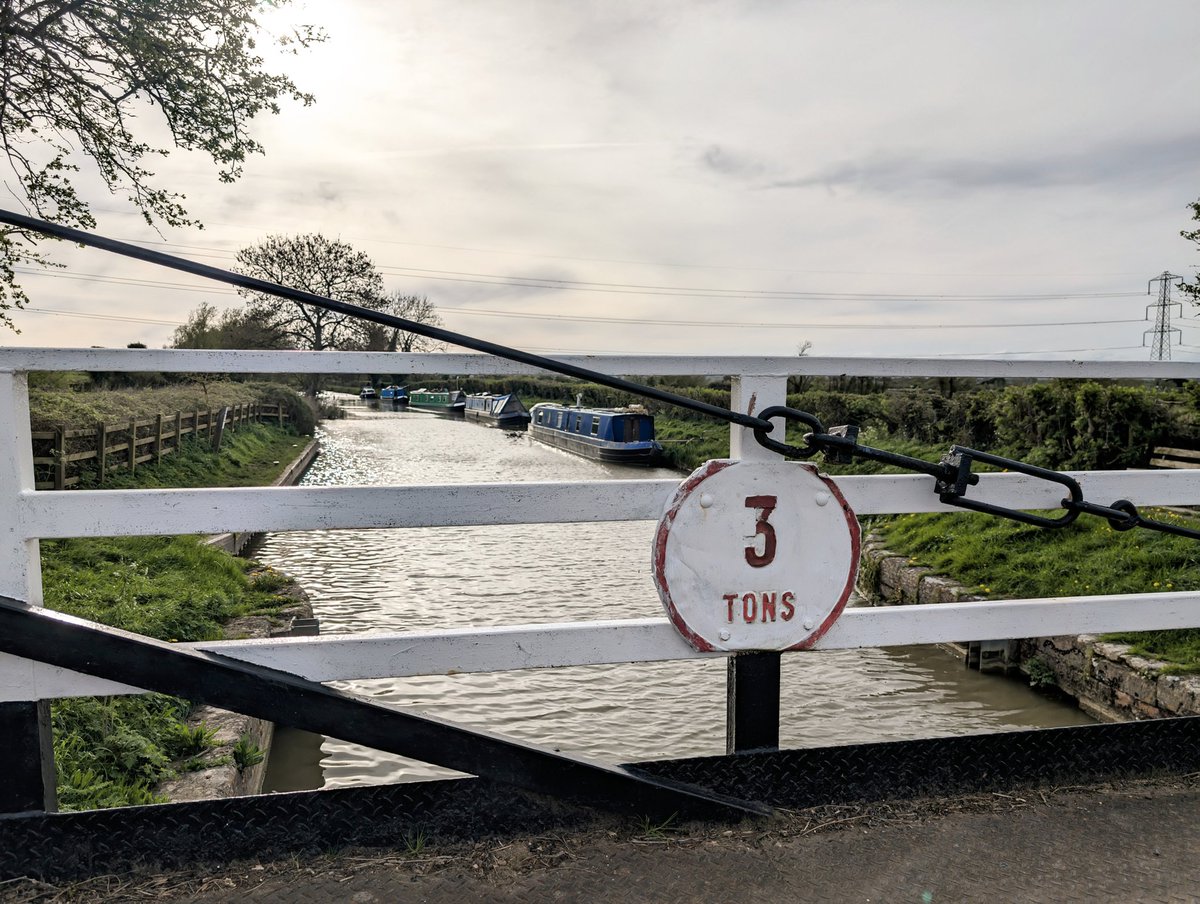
755,556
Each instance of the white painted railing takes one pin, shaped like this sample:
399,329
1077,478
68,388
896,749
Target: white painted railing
27,516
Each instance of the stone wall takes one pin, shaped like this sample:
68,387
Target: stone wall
1109,682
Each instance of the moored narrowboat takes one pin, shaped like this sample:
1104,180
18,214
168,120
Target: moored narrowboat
619,435
396,395
448,402
506,411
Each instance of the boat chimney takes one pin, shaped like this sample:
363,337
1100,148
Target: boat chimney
579,400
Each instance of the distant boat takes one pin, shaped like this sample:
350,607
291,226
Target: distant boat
448,402
506,411
619,435
397,395
367,392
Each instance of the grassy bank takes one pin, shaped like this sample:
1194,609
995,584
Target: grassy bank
252,456
51,406
1006,560
112,751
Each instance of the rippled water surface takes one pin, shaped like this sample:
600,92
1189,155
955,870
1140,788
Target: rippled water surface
429,578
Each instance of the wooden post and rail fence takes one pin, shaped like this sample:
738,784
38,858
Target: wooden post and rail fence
62,456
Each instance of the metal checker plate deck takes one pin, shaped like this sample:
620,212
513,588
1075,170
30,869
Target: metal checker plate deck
67,845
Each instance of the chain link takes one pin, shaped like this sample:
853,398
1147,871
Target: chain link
953,474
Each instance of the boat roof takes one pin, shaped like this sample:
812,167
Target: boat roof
586,409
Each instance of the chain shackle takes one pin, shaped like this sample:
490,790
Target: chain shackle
808,450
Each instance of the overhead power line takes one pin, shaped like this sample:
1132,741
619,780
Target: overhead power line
1042,351
710,292
755,324
550,283
100,316
675,265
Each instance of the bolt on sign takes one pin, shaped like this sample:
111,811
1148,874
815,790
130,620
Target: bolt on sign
755,556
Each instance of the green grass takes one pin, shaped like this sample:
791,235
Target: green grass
253,455
113,751
50,407
1002,559
170,588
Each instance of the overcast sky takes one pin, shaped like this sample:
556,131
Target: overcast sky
917,178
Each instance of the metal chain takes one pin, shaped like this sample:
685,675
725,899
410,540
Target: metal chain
839,444
953,475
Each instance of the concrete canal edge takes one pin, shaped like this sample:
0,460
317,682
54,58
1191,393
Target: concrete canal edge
1106,679
234,543
220,775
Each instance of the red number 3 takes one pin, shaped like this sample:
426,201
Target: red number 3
764,505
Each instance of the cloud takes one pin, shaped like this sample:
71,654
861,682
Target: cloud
1131,162
720,160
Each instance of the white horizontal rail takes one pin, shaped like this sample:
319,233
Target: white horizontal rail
111,513
347,657
229,361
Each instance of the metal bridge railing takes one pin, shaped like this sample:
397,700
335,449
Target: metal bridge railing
27,515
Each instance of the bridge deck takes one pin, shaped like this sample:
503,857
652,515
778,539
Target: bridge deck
1130,841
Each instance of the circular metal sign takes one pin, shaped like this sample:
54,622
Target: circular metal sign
755,556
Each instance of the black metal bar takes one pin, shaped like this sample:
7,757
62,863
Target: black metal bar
422,329
752,705
26,758
105,652
950,491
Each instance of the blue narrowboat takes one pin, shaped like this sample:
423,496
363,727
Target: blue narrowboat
506,411
620,435
396,395
448,402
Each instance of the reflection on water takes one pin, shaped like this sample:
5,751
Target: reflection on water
429,578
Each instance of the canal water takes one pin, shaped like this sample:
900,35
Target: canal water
431,578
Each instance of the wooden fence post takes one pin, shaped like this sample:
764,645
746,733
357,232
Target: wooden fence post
178,433
60,457
215,434
101,451
279,414
132,445
158,440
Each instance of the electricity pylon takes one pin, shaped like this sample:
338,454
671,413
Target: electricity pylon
1160,348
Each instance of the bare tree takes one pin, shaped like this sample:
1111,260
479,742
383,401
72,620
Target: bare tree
417,308
324,267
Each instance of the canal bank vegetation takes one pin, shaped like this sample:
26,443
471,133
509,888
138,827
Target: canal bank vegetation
113,751
1068,424
66,399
